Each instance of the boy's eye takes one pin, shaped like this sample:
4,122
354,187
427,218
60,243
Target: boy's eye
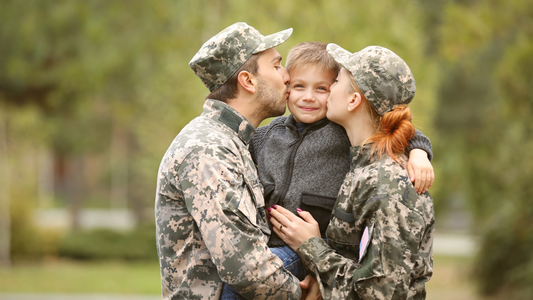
298,86
323,88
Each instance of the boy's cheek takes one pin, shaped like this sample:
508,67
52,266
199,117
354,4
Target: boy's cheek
293,96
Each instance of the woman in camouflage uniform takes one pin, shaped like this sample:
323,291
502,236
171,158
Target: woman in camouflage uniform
380,237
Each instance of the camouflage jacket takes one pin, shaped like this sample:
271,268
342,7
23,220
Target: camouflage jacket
210,214
380,236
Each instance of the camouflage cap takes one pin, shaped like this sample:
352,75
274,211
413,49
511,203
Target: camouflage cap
383,77
222,55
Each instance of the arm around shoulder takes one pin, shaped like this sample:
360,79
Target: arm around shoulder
420,141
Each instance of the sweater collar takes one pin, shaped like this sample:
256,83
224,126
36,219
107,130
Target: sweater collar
227,115
291,123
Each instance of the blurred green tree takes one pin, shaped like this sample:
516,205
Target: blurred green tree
484,133
100,88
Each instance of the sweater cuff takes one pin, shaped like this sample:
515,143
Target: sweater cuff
311,250
420,141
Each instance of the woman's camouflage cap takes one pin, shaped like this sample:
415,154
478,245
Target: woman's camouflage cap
383,77
222,55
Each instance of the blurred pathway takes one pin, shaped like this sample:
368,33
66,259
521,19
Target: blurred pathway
445,244
75,297
454,244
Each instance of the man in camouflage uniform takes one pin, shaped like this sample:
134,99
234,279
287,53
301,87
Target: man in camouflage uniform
380,236
209,207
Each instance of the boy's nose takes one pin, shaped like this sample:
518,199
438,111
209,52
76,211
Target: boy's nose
309,96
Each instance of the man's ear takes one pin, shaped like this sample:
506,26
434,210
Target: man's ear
355,101
247,81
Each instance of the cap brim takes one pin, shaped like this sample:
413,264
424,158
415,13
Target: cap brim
273,40
340,55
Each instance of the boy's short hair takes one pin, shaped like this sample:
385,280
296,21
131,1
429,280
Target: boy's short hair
311,54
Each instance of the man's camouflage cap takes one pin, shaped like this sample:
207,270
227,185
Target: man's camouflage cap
222,55
383,77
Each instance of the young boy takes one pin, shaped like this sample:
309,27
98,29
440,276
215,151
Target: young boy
303,159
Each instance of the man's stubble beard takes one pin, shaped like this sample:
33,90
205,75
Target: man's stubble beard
273,104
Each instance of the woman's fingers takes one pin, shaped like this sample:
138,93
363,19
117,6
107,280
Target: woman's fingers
275,225
306,216
285,212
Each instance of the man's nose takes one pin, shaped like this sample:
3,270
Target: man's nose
286,77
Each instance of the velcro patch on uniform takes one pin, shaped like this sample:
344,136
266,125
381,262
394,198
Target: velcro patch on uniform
365,240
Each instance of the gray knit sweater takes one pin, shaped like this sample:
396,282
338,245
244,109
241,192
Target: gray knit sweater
306,169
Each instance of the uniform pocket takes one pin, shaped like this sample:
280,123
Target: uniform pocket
258,214
343,233
320,208
248,203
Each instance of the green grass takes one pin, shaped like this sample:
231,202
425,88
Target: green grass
82,277
450,279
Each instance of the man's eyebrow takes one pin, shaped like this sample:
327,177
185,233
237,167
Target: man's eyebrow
277,59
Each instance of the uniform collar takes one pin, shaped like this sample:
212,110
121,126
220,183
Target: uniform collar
360,155
230,117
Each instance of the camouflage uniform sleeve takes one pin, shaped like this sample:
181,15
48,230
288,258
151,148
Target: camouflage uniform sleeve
223,207
385,269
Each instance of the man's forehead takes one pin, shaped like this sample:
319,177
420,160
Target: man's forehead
271,55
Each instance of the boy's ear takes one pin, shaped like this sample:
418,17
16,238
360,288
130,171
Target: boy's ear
247,81
354,101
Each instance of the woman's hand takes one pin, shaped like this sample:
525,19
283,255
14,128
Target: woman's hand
291,229
420,170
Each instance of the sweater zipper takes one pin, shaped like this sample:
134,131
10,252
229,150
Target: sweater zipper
291,169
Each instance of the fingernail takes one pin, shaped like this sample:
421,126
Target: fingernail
269,209
269,216
299,209
274,206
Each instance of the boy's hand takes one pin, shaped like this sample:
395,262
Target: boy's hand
310,288
420,170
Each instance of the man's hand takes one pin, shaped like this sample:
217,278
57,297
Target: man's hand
310,288
420,170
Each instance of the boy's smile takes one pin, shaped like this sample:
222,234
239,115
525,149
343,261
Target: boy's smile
309,92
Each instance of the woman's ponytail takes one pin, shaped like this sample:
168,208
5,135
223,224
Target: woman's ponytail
394,132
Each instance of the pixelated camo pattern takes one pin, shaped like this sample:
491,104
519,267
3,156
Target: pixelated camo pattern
210,215
398,260
222,55
383,77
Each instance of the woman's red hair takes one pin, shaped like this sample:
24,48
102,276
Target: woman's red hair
394,133
393,130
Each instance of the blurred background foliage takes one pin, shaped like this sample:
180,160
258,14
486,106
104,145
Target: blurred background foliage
93,92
